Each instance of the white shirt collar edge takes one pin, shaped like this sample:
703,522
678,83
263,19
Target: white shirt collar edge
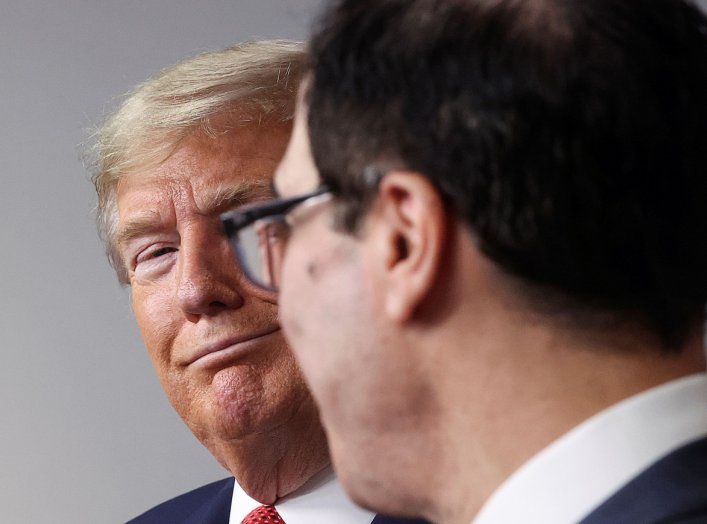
616,439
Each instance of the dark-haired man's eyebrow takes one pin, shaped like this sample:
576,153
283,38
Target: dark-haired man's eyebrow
273,188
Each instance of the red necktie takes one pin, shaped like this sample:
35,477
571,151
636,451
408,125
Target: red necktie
263,515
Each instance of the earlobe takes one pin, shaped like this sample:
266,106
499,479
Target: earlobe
412,237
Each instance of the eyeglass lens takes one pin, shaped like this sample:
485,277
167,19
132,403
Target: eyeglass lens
261,247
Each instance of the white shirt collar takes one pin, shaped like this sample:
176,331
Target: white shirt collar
600,455
321,500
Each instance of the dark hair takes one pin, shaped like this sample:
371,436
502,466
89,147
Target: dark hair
570,135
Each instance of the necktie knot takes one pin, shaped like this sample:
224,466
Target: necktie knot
263,515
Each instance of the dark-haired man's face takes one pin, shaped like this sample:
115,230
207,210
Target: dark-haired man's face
329,309
319,274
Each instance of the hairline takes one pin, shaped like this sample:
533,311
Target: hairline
257,88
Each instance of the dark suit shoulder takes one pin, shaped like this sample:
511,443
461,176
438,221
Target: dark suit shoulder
384,519
672,490
209,504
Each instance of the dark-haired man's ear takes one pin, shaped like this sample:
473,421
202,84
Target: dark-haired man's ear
408,239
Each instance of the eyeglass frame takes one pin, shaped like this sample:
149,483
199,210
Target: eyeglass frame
237,219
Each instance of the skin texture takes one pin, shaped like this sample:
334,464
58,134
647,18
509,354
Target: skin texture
364,394
435,381
213,338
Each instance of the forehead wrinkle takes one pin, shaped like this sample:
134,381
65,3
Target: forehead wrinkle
157,198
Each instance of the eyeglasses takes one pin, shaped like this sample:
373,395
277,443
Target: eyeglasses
258,235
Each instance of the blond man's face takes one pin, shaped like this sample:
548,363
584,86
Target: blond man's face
213,338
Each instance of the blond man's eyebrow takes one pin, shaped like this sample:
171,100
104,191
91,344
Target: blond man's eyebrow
136,227
225,197
233,195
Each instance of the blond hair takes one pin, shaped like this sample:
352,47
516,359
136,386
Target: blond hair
253,81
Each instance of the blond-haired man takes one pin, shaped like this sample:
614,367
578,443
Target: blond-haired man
199,138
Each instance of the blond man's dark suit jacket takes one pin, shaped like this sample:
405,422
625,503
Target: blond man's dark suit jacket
211,504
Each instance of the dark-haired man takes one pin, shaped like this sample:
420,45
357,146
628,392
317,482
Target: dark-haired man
496,267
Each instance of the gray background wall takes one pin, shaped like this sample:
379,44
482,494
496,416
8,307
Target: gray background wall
86,435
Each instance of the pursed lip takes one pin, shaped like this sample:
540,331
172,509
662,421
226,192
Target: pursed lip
229,343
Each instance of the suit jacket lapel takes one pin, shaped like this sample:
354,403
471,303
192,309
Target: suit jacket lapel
216,509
